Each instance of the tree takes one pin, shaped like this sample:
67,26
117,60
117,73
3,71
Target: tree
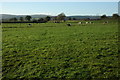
21,19
28,18
74,18
115,16
47,18
13,19
34,20
55,18
61,17
41,20
69,18
103,16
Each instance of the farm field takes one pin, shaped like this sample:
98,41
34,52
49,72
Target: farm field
54,50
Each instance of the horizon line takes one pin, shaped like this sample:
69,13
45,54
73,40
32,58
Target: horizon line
56,15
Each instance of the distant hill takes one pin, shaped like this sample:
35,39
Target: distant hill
8,16
85,17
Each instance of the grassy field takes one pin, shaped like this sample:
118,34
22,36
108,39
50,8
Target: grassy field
54,50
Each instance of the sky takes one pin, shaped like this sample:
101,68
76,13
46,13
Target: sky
59,0
55,8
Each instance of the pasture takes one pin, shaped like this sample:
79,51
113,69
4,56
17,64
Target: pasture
54,50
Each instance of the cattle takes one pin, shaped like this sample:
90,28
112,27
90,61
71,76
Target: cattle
86,22
91,22
56,22
105,22
29,24
80,22
68,24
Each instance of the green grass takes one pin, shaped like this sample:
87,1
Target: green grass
53,50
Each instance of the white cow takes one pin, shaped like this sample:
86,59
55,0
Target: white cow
86,22
106,22
91,22
80,22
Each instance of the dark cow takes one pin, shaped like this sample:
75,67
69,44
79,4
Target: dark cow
56,22
29,24
106,22
91,22
68,24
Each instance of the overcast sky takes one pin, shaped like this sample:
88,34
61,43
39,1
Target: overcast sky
54,8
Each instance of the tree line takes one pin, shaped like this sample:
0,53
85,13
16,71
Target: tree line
59,18
28,18
114,16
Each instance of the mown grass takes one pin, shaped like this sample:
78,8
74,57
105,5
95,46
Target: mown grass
54,50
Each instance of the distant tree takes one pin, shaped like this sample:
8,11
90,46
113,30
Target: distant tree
21,18
55,18
34,20
47,18
103,16
61,17
88,18
28,18
74,18
69,18
13,19
115,16
40,19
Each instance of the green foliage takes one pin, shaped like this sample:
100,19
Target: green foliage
13,19
47,18
115,16
28,18
40,19
103,16
69,18
61,16
21,19
74,18
50,50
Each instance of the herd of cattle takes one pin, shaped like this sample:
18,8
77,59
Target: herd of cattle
83,23
79,23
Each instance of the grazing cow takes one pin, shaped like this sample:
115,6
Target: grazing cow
29,24
105,22
68,24
91,22
86,22
56,22
80,22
